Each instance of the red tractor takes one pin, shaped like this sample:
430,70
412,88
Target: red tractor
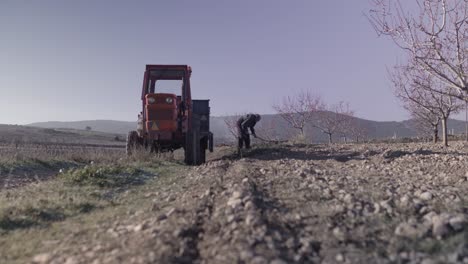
170,118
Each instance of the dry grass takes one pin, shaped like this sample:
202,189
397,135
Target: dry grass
47,152
25,163
76,191
78,201
49,187
93,177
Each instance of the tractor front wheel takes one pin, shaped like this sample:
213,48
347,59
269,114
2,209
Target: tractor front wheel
133,142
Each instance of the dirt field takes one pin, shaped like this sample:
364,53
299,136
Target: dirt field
399,203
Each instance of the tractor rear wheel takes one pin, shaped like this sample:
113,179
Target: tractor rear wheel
133,142
195,149
190,148
202,150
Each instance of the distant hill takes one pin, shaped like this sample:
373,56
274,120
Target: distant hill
16,133
107,126
271,125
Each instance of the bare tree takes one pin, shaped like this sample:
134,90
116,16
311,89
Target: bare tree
330,119
421,94
298,110
434,37
426,122
231,124
268,130
347,122
357,130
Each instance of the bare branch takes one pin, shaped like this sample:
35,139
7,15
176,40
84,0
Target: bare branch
298,110
334,119
434,37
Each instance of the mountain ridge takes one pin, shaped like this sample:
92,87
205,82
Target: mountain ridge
271,124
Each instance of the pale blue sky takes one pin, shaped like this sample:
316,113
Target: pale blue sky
79,60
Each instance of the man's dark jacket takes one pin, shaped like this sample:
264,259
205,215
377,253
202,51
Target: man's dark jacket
247,122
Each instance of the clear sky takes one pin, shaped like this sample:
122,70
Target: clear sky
80,60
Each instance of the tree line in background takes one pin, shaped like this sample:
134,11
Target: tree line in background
305,110
432,81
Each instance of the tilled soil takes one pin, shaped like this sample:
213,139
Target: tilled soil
298,204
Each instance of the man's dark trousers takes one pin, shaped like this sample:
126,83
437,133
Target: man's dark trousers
243,135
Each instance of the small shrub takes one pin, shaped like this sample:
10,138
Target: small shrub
9,222
40,214
102,175
299,139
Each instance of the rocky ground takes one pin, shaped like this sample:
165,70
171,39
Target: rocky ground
399,203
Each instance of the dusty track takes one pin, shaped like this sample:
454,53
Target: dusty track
300,204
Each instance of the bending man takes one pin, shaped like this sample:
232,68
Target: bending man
243,125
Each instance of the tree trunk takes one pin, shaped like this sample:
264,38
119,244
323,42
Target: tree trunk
435,135
303,135
357,139
444,131
329,138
